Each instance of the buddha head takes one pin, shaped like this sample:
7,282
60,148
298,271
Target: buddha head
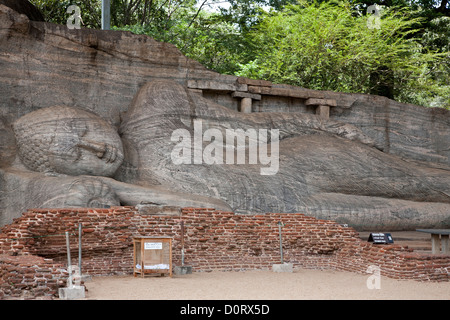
69,141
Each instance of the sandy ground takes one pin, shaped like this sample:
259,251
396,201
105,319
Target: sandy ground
262,285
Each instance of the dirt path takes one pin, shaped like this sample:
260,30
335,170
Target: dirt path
262,285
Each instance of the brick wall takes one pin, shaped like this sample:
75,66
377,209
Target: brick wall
30,277
214,240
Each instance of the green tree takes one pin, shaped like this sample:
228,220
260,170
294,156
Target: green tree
434,15
434,80
215,43
55,11
329,46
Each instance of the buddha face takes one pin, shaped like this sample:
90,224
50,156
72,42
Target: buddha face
68,141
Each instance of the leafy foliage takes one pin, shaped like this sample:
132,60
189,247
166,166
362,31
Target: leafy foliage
56,11
329,46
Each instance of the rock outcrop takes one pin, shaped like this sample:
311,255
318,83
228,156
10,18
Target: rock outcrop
363,160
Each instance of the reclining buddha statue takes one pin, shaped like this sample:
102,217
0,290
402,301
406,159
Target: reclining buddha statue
71,157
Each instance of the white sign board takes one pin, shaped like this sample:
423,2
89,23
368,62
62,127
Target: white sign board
153,245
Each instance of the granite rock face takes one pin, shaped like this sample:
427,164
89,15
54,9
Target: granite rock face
96,118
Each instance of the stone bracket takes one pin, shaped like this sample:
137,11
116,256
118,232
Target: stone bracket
249,89
216,86
239,94
322,106
246,100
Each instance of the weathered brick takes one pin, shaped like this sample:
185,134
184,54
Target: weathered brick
213,240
